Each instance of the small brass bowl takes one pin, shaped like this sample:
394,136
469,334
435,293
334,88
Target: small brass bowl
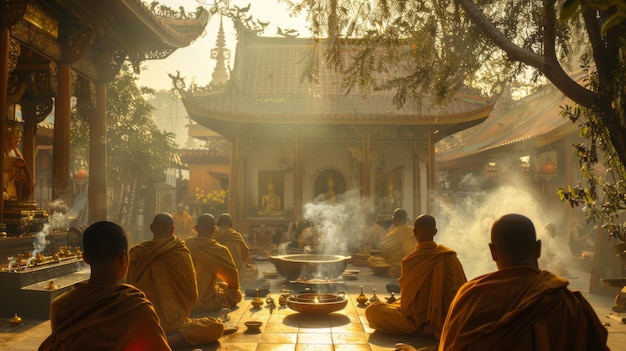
253,326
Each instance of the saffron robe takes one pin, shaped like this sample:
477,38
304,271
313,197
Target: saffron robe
213,263
521,308
91,317
163,269
238,248
183,224
397,243
430,278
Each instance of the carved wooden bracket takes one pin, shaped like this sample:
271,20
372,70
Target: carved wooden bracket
11,11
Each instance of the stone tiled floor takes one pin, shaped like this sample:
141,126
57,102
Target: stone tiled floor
284,329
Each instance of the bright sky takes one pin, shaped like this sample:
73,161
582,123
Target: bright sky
194,62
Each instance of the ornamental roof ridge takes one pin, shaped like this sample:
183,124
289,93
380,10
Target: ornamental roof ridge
167,24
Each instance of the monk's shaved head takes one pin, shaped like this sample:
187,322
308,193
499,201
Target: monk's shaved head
424,228
514,241
103,242
400,216
205,225
162,225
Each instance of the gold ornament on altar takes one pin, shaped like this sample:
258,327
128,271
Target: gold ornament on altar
16,319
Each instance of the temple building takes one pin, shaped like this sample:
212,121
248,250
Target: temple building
297,141
58,55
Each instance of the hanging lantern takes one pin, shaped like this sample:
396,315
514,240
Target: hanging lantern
81,175
548,167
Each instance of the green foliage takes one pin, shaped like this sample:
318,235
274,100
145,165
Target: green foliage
419,47
137,151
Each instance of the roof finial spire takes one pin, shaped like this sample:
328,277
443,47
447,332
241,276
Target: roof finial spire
221,55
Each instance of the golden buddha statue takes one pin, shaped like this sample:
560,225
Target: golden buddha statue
271,204
330,196
17,183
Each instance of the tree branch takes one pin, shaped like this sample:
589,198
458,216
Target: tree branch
551,69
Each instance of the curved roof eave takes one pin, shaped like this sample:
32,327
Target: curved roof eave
201,115
166,29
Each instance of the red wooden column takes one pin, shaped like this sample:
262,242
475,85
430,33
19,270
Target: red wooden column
28,138
62,107
4,90
98,156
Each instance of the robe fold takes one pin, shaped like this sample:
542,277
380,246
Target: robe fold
163,269
397,243
237,246
430,278
213,263
184,224
91,317
521,308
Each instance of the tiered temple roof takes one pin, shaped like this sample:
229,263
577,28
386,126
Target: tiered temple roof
268,86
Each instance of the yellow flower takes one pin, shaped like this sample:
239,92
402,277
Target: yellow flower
204,201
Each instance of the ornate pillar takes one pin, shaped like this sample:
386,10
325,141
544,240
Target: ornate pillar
10,12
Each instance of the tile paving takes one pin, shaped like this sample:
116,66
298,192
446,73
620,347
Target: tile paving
285,329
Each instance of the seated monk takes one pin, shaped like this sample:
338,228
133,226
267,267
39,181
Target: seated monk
430,278
163,269
520,307
398,243
218,279
237,246
183,223
103,314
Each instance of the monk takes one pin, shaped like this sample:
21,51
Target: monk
183,223
398,243
163,269
218,279
236,244
520,307
103,314
430,278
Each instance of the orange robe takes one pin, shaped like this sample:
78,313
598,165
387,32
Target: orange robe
163,269
521,308
238,248
91,317
397,243
431,276
183,224
214,263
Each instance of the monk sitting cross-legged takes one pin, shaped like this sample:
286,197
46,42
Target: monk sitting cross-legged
398,243
520,307
163,269
103,314
218,279
430,278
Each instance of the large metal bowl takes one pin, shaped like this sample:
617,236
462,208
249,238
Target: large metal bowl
310,266
313,303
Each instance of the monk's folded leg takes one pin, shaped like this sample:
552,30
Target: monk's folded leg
387,318
233,296
200,331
